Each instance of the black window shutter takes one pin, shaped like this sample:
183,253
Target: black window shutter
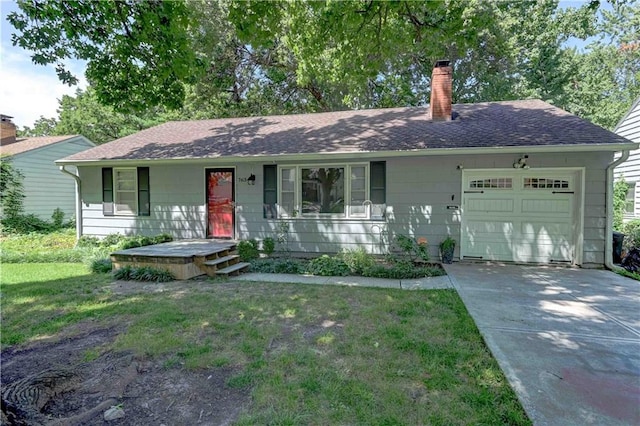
107,191
270,191
144,201
378,179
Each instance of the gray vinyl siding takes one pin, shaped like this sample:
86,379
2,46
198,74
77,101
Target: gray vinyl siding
629,127
421,194
45,186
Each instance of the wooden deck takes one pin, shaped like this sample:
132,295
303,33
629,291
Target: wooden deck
184,258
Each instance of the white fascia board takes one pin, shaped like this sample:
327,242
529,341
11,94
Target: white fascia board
360,155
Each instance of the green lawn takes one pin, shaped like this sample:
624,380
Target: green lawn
308,355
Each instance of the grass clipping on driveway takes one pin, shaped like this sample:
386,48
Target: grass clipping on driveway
307,354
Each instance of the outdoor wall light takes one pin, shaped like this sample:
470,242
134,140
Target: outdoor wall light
251,180
521,163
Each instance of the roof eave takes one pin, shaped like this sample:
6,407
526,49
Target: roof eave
365,154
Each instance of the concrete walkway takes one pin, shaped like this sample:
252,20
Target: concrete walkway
414,284
568,340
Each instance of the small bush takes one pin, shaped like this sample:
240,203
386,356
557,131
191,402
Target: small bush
87,241
327,266
631,231
413,249
279,266
162,238
137,241
248,250
268,245
57,218
112,240
145,273
358,260
25,224
121,242
402,270
101,266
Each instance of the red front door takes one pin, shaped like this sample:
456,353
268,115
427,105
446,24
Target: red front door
220,203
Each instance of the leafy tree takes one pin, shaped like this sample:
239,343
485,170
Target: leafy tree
229,58
607,75
41,127
84,114
138,52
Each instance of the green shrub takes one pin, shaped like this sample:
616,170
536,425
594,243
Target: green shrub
57,218
412,249
358,260
268,245
162,238
401,270
248,250
279,266
25,224
145,273
327,266
87,241
121,242
112,240
631,231
11,190
136,241
101,266
620,188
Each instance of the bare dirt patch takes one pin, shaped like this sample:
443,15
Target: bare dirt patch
51,382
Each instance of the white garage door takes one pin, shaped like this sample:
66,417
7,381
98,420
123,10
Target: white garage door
519,216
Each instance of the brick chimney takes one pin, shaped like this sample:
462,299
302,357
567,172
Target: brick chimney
441,80
7,130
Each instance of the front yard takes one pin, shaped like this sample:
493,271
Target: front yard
212,351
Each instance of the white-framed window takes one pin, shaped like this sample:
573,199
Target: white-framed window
324,190
125,190
630,202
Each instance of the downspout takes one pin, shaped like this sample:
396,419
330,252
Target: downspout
78,201
608,255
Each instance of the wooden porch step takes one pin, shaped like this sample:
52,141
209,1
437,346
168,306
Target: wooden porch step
215,262
237,268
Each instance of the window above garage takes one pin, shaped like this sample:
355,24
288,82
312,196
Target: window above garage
545,183
492,183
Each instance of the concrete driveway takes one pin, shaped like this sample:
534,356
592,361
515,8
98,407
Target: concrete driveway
568,340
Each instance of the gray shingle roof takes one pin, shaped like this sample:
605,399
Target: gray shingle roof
494,124
29,144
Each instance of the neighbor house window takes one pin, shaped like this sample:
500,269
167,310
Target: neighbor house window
344,190
125,191
630,204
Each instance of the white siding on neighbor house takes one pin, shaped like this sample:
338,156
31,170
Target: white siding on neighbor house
422,195
45,186
629,128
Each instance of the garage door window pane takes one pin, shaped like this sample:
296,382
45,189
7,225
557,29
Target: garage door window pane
492,183
545,183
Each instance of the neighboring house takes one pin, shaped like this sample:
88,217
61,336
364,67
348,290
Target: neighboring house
518,181
45,187
629,127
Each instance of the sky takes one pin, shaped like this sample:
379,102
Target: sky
29,91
